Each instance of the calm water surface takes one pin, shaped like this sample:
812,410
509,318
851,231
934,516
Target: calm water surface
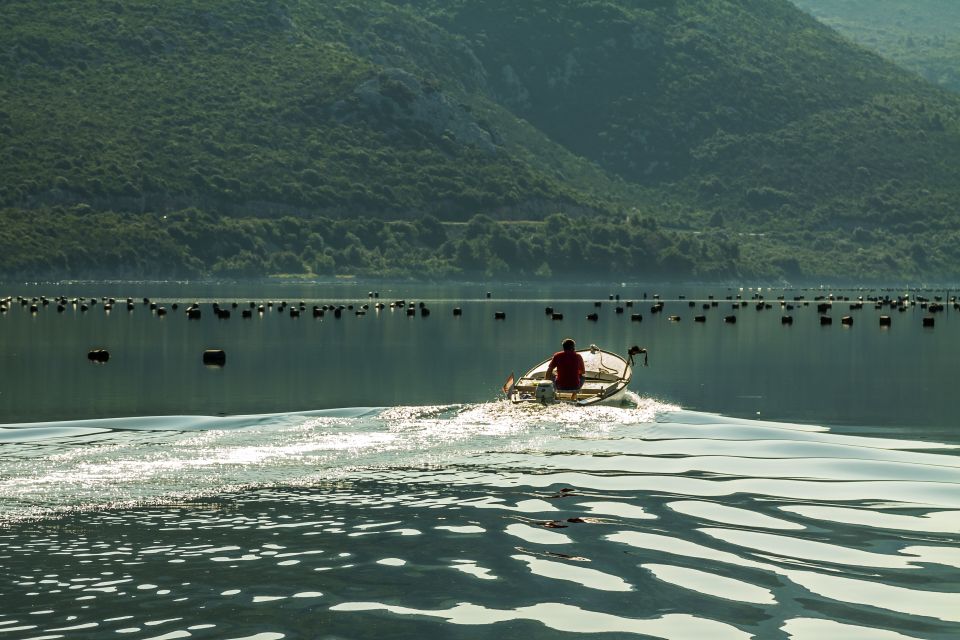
861,375
763,480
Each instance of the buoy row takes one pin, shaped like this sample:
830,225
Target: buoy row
825,304
194,312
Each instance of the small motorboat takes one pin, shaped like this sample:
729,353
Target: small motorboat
606,379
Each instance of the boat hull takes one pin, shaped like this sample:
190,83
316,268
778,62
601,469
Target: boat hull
606,379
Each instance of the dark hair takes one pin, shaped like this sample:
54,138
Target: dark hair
568,344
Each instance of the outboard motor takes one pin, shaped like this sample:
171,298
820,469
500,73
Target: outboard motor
545,392
635,351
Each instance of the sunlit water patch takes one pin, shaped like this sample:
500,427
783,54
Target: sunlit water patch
474,520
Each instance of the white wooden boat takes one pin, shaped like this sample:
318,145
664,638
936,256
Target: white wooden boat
606,379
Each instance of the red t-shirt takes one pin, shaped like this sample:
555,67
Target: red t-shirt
569,366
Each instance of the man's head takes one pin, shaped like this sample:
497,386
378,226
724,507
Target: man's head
569,345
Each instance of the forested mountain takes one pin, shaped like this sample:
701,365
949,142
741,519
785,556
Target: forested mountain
243,137
921,35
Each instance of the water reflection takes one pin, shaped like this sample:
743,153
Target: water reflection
486,517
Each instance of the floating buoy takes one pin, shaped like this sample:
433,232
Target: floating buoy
161,311
424,311
99,356
885,321
691,304
823,307
700,318
674,318
786,320
61,308
223,314
730,319
629,304
556,316
193,313
488,294
500,315
636,317
457,311
825,320
928,321
597,304
294,312
246,313
593,317
548,310
339,312
214,357
846,321
619,310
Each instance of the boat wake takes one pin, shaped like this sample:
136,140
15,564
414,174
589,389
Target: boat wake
640,519
51,468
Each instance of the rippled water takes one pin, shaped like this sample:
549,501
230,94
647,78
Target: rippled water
476,520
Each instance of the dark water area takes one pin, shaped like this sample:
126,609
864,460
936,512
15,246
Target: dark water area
862,374
360,477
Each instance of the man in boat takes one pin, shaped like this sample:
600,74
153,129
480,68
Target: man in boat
569,368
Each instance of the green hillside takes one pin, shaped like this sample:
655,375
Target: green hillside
748,107
921,35
259,108
678,138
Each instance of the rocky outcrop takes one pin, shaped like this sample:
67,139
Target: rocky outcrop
396,99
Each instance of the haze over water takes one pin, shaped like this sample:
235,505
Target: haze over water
377,486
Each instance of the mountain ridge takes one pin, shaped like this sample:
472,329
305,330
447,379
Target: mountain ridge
698,116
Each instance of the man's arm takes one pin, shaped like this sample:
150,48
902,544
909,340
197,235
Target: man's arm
551,367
